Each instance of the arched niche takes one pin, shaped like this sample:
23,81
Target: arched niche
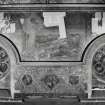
88,58
8,47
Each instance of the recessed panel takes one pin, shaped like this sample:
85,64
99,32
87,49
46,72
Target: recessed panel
58,80
47,36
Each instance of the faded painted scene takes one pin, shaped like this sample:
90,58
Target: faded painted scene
44,36
51,36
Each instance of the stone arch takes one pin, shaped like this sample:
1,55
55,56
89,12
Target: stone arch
95,44
10,47
87,58
14,57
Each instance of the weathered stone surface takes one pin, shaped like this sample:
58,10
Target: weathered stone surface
21,1
50,1
77,1
52,79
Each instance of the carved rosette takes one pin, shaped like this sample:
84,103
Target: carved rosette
98,63
74,80
27,79
4,63
50,81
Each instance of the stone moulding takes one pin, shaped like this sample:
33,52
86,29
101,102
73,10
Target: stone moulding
51,7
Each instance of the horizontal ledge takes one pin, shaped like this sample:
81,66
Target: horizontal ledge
51,63
93,101
52,7
98,89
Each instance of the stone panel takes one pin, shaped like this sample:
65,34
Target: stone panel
67,80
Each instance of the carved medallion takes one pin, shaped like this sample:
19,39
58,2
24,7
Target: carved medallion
74,79
50,81
27,80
